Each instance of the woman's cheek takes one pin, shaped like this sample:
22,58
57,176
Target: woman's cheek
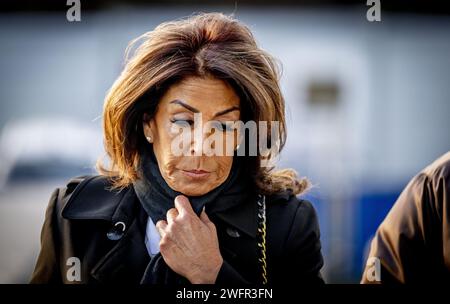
179,139
224,164
173,129
169,167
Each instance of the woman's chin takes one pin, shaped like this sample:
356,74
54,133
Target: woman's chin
192,189
189,186
193,192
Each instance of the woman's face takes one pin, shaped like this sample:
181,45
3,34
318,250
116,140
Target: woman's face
193,173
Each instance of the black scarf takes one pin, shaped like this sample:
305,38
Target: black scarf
157,198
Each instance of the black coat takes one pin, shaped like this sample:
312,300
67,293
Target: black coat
79,217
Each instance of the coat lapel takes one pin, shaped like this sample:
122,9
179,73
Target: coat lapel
237,231
127,259
243,218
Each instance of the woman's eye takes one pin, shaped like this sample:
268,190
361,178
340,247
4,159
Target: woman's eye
227,126
182,122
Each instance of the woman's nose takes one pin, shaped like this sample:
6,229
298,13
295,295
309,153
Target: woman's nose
197,146
201,133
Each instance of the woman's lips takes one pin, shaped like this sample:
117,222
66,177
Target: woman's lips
196,173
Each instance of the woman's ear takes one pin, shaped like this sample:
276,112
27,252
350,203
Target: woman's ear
148,129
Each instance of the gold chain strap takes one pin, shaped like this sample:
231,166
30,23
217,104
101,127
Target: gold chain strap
262,236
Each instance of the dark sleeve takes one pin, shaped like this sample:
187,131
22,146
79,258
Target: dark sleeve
402,248
47,269
303,247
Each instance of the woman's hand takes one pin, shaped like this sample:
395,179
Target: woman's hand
189,244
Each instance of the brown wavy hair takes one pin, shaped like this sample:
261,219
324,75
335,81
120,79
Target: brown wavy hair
208,44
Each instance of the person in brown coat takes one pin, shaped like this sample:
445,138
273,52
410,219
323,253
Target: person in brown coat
412,244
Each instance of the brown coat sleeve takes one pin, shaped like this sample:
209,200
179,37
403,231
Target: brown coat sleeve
412,243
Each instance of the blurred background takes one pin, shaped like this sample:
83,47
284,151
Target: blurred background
368,105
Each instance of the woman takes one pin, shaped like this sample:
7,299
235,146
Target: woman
175,208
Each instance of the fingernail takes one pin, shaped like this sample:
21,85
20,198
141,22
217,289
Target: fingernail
180,197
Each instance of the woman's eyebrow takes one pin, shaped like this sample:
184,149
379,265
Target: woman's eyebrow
235,108
183,104
192,109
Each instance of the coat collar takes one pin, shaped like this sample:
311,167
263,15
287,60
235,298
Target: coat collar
93,199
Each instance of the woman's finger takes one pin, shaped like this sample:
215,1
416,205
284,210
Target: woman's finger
161,227
205,219
183,205
171,215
